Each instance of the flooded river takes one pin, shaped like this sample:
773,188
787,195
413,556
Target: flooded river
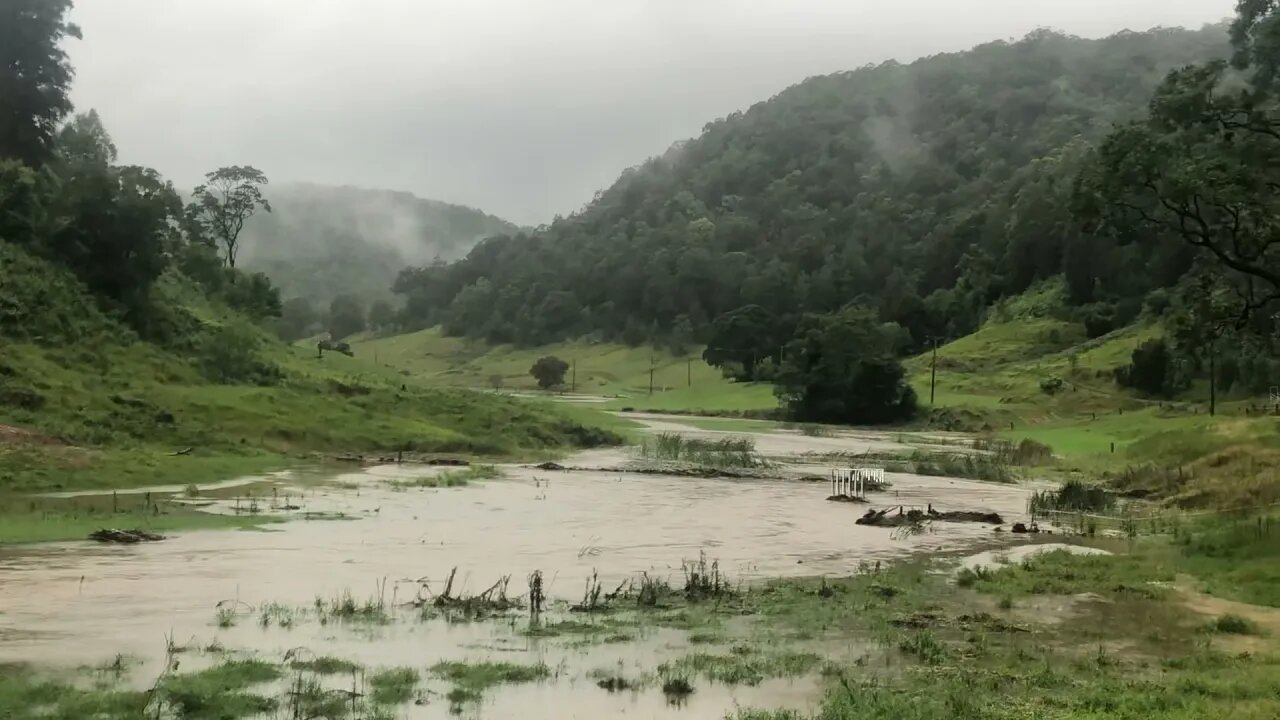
71,604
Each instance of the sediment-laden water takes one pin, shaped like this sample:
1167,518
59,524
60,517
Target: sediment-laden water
72,604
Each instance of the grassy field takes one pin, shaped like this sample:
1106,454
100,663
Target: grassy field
84,403
681,383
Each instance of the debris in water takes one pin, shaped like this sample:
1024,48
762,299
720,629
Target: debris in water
1022,529
124,537
882,518
847,499
549,466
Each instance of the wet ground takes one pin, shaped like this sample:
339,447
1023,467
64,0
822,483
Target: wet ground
78,603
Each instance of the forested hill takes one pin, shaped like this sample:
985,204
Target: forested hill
925,191
320,242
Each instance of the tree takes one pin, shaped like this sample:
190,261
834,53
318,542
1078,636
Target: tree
841,368
35,76
549,371
116,224
298,319
381,315
742,337
253,295
1150,370
227,199
1204,165
346,316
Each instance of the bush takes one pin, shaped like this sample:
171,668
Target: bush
549,371
1051,385
1150,370
230,355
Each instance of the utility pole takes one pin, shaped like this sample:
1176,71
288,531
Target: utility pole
689,372
650,379
1213,380
933,371
573,387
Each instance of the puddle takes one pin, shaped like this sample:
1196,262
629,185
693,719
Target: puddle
72,604
1016,554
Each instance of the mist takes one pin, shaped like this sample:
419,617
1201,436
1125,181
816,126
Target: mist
520,109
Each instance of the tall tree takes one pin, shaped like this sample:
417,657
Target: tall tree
841,368
35,76
116,223
228,198
1204,165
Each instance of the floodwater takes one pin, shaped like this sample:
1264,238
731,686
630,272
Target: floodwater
72,604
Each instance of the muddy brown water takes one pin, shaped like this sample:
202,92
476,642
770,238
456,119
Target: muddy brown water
71,604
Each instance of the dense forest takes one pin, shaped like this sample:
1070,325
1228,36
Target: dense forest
319,242
926,190
922,193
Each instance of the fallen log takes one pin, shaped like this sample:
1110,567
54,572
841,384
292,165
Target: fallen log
882,518
124,537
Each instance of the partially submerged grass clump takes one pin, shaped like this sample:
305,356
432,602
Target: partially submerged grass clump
393,686
471,679
326,665
744,665
1072,496
345,608
1025,452
729,452
448,478
217,693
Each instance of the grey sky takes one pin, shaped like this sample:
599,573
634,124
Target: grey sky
523,108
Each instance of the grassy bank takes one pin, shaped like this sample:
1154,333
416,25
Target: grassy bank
86,403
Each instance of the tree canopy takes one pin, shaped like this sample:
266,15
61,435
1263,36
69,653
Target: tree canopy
924,191
35,76
225,202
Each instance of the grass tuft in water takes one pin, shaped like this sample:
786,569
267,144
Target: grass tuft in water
394,686
448,478
472,679
729,452
327,665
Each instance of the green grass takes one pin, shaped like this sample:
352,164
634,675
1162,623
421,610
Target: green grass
221,692
1065,573
681,383
743,666
1235,625
394,686
327,665
471,679
84,403
26,527
97,407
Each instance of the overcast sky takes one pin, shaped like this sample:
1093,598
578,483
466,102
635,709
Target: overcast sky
523,108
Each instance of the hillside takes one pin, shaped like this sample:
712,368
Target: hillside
88,403
319,242
926,191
